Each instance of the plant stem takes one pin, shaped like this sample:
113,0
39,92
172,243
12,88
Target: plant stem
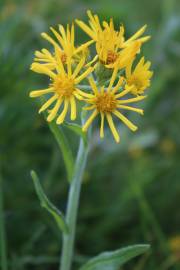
87,87
3,254
72,207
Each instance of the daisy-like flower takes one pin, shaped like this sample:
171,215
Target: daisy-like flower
108,103
63,88
111,46
139,78
65,47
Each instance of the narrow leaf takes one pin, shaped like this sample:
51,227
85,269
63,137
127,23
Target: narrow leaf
64,147
114,259
58,216
62,143
77,129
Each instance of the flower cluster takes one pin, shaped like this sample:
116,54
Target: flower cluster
68,65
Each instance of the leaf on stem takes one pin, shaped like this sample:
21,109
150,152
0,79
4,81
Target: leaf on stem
52,209
76,129
63,144
114,259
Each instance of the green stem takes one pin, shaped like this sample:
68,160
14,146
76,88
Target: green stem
87,87
3,254
72,207
84,87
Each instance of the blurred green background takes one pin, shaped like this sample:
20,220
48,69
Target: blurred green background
131,191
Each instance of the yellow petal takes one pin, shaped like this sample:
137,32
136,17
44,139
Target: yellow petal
84,75
137,34
78,67
113,78
118,85
124,92
63,33
69,68
73,108
54,111
125,120
93,85
72,34
131,100
38,93
59,38
83,46
42,70
140,111
90,120
48,38
102,126
89,108
84,94
61,117
78,96
112,127
128,70
86,29
93,61
48,103
59,62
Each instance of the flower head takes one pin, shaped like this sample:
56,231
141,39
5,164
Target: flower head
112,84
139,79
64,46
63,88
108,103
111,46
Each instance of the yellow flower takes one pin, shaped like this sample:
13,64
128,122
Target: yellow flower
108,102
65,47
139,79
111,46
63,88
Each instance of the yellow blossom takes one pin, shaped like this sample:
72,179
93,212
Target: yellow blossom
140,77
64,46
111,46
108,102
63,88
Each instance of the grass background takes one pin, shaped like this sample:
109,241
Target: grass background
131,191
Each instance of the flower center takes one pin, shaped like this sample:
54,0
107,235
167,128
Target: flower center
64,86
111,57
105,102
63,58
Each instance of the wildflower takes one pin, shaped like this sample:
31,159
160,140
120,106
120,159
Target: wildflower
139,79
111,46
65,47
63,88
108,102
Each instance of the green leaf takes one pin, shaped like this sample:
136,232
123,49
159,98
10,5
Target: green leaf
63,144
58,216
64,147
114,259
76,129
